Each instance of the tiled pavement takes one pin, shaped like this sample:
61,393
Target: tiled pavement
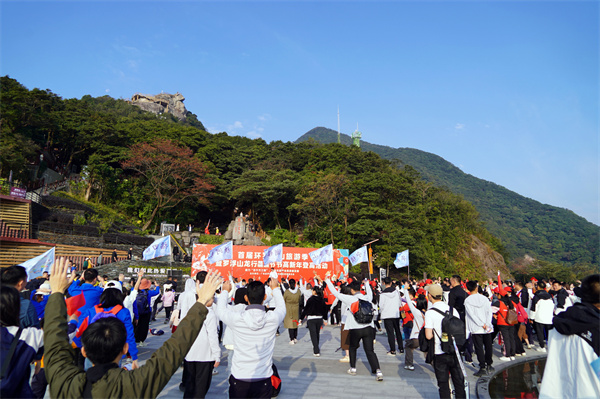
309,377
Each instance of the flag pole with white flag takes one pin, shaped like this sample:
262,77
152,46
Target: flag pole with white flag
40,264
322,255
402,261
273,254
221,252
160,247
359,256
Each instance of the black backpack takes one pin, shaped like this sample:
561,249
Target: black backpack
141,301
453,330
362,311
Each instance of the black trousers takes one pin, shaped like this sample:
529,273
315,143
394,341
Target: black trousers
293,333
392,328
367,335
446,366
542,331
199,378
314,328
508,337
141,330
483,349
254,389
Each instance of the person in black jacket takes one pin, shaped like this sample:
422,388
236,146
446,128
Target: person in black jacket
316,311
456,300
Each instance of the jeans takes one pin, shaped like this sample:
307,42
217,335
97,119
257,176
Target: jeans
446,365
392,327
314,327
367,335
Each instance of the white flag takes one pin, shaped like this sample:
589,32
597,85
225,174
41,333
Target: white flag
160,247
221,252
273,254
359,256
42,263
322,255
401,259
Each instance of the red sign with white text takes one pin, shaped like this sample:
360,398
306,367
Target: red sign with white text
247,262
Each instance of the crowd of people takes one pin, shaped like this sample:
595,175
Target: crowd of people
83,332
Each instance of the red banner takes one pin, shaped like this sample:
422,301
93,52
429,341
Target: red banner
247,263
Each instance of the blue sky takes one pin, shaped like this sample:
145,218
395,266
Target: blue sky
507,91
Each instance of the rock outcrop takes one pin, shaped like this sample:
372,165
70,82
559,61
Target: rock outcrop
161,103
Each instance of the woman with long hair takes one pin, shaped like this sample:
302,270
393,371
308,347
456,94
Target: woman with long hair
315,311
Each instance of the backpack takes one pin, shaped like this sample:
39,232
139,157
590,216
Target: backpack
100,313
362,311
521,313
453,330
276,382
142,303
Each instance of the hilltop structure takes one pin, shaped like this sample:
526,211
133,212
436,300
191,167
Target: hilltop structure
161,103
356,137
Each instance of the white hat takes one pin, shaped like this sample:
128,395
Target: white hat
44,289
114,284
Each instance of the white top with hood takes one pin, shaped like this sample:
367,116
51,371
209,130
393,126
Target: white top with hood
347,300
478,313
187,299
253,337
418,318
206,346
389,303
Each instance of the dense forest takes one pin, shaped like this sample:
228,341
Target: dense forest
525,226
152,168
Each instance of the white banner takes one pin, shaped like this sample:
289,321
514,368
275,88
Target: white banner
221,252
160,247
359,256
42,263
273,254
322,255
401,259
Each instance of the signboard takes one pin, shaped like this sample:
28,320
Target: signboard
247,262
382,273
18,192
166,228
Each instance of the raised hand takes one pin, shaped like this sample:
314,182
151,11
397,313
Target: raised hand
58,278
207,292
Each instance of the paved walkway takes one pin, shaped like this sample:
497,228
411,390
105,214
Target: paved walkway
306,376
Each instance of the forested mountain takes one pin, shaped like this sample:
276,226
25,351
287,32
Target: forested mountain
151,168
525,226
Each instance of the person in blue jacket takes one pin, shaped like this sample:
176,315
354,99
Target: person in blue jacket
111,305
142,310
90,292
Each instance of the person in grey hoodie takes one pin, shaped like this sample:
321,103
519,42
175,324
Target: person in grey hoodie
478,322
253,339
389,305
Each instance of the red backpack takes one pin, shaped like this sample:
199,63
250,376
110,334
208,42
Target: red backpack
521,313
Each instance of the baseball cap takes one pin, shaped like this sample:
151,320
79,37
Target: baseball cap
435,290
114,284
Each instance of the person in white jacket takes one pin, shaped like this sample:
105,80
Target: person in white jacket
389,305
253,339
574,346
203,357
358,332
417,309
478,322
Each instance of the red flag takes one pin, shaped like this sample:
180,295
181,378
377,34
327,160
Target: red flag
74,303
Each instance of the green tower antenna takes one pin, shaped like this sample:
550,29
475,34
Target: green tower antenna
356,137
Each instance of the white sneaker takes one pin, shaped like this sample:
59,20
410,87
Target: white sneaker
542,350
292,342
379,375
504,358
513,358
345,359
351,371
295,341
316,354
411,368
